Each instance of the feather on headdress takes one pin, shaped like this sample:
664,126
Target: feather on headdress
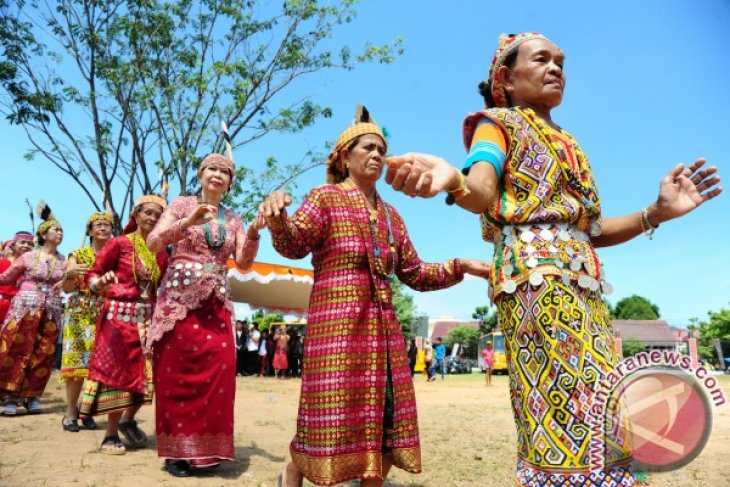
44,213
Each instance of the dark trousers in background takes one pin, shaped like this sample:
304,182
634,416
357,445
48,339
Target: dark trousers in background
252,362
240,361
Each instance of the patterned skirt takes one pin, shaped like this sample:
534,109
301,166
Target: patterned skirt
195,384
559,344
79,331
27,353
120,376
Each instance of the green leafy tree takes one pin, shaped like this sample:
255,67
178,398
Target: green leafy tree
125,95
467,336
487,319
635,308
632,346
264,320
715,327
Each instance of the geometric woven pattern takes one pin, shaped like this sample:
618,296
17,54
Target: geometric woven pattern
559,343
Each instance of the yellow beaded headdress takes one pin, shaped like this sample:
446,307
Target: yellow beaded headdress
96,216
44,213
506,45
364,125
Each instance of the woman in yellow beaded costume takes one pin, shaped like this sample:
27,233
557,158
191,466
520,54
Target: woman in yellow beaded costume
80,317
532,185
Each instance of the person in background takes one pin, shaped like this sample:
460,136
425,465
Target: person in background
412,355
80,317
263,359
21,243
128,274
240,347
252,349
29,334
439,357
488,356
281,362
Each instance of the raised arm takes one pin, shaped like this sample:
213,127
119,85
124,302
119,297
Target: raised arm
474,188
301,234
424,276
171,227
681,191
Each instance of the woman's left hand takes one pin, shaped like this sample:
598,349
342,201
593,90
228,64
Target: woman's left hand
258,223
475,267
684,189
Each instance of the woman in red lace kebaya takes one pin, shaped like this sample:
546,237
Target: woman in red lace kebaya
119,381
357,410
192,338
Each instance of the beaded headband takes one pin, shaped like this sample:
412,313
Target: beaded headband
364,125
218,160
506,45
22,235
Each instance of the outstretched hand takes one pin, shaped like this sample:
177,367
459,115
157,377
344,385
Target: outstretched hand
684,189
478,268
273,205
418,174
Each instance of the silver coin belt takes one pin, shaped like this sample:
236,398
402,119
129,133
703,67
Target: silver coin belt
128,311
532,247
186,273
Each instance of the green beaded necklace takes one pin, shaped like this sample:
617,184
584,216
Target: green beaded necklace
218,243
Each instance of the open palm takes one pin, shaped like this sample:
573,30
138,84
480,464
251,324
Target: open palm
685,189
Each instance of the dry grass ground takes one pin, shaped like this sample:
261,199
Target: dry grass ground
467,434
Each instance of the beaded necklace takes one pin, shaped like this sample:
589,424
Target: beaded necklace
380,266
580,184
217,243
149,274
51,269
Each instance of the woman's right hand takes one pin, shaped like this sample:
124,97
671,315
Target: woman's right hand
423,175
200,215
273,205
75,270
100,284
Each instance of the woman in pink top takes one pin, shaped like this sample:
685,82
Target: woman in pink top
488,356
192,338
29,333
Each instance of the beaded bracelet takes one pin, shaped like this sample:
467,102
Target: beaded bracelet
460,191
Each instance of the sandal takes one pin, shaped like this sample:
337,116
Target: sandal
71,425
89,423
135,436
112,445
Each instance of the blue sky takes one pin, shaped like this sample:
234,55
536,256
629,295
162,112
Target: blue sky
647,88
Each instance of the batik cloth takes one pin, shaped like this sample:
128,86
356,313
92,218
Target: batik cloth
546,283
29,333
79,323
354,342
195,386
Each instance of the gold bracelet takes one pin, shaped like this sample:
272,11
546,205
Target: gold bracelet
461,190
